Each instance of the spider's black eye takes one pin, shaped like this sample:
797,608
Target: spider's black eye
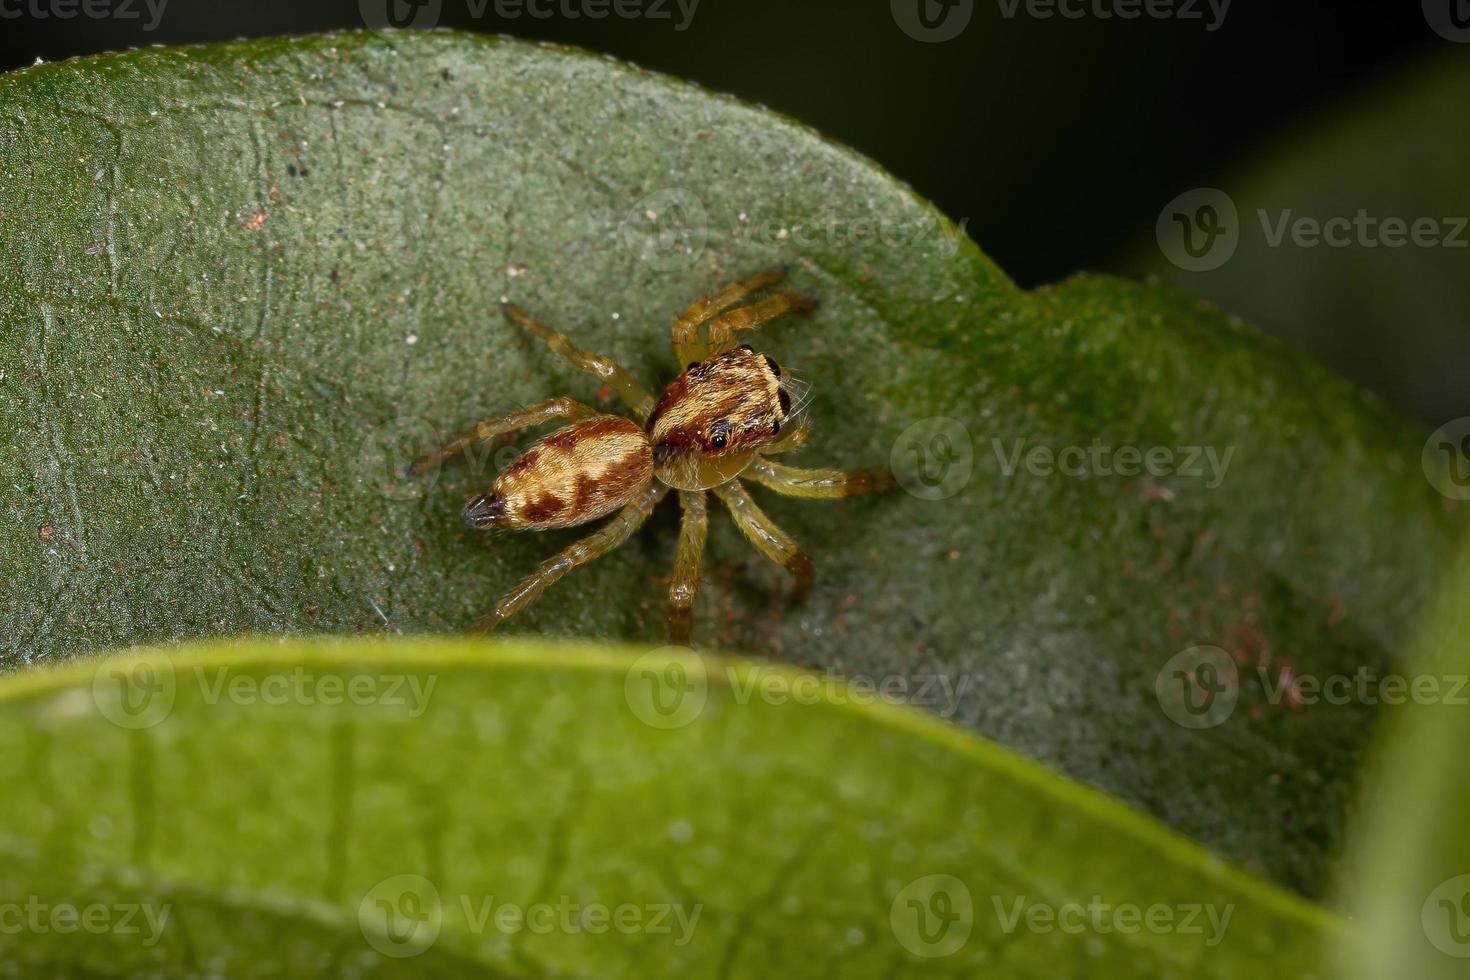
717,440
692,365
775,368
775,428
747,348
785,399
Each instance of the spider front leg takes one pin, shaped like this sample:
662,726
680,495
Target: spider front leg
768,539
610,372
722,329
556,408
685,583
687,345
796,482
600,542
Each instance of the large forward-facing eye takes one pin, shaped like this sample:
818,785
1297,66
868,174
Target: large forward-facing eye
717,440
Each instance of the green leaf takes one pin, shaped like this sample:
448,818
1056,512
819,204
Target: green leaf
1371,301
1410,867
247,281
269,806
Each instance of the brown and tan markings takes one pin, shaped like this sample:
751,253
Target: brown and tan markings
714,424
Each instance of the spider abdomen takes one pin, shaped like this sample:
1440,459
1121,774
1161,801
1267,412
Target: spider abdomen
578,473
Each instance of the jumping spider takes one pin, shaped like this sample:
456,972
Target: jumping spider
713,424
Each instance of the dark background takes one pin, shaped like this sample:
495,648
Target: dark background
1057,140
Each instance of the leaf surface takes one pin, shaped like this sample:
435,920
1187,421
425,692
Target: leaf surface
247,282
432,808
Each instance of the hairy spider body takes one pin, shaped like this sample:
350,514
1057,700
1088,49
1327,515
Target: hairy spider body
577,474
717,421
714,418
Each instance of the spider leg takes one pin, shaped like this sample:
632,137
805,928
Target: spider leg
687,345
596,544
768,539
610,372
796,482
685,582
792,437
564,407
722,329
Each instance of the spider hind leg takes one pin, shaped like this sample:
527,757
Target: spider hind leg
598,543
499,425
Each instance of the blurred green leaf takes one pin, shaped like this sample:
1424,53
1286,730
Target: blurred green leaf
320,808
1410,868
248,281
1369,299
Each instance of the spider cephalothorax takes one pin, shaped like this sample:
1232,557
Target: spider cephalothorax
714,423
713,419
